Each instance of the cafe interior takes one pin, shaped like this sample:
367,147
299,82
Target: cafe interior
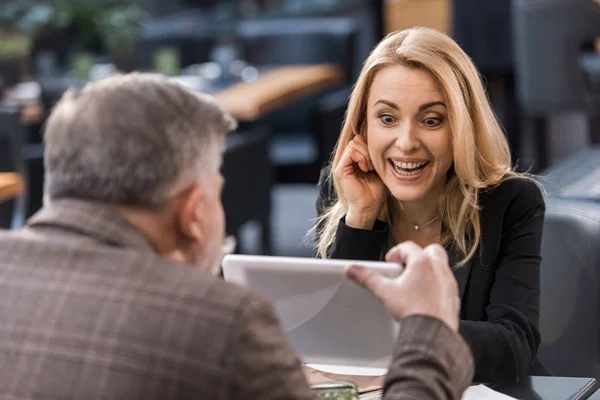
285,70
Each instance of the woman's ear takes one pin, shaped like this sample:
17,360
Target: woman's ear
363,133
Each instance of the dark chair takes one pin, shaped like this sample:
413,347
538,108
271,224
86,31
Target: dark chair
570,282
548,36
10,72
248,180
289,41
294,144
52,89
12,212
553,75
33,154
328,122
577,177
190,33
483,29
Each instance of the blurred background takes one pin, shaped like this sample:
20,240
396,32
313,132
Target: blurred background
285,69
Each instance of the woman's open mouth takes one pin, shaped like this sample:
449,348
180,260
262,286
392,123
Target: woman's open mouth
408,169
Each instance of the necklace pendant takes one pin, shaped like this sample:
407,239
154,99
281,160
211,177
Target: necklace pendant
417,227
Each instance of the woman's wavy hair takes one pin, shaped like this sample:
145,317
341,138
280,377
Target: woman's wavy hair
481,152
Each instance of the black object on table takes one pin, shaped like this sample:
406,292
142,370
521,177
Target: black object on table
553,388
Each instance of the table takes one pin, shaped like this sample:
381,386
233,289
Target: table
553,388
543,388
276,88
11,186
249,101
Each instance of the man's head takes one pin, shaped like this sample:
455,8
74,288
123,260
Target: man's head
152,149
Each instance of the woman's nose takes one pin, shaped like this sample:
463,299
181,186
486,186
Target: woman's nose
407,140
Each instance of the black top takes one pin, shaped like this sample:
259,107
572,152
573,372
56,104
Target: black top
499,286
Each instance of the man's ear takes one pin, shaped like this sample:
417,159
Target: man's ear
189,216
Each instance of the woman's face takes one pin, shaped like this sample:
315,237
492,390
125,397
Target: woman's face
408,133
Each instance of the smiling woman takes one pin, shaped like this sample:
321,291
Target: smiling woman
410,143
421,157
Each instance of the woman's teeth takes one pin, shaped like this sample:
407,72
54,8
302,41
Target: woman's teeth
410,168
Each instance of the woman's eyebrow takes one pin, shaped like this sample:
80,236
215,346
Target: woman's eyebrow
431,104
387,103
421,108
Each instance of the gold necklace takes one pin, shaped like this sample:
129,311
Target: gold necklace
418,227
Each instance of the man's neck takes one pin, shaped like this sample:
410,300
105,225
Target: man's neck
152,226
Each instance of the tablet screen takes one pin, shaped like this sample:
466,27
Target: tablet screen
328,319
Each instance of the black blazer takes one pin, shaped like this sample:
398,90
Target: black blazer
499,287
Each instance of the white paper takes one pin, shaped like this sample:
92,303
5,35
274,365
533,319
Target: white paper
478,392
371,396
481,392
348,370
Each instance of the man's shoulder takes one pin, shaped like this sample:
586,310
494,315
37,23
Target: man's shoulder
152,277
200,285
131,309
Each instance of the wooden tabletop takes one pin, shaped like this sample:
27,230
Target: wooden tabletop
11,186
249,101
276,88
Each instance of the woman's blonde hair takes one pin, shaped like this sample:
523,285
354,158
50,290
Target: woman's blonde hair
481,152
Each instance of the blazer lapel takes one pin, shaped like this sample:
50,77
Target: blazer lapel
461,274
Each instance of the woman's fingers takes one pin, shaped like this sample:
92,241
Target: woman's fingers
359,159
353,156
360,145
356,153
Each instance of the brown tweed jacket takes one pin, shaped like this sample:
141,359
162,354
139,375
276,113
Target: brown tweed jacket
89,311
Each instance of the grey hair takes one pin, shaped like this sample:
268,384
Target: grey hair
133,140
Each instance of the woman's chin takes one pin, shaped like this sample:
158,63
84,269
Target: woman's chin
408,194
408,190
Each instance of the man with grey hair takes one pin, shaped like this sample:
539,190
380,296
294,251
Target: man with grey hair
100,297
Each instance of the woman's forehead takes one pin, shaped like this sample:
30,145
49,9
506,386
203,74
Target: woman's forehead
399,84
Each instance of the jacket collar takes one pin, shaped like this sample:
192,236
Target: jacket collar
93,220
463,273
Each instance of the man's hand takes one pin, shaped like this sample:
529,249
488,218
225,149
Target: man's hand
425,287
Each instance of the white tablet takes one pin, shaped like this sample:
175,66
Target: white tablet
333,324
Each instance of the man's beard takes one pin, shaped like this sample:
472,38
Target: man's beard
215,269
213,263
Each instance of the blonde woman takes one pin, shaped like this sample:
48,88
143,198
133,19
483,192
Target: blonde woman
422,158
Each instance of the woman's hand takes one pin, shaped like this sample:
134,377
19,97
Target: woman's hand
360,184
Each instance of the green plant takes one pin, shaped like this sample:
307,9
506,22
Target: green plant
14,42
114,23
120,27
14,46
28,16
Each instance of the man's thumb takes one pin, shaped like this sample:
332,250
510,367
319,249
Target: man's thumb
371,280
